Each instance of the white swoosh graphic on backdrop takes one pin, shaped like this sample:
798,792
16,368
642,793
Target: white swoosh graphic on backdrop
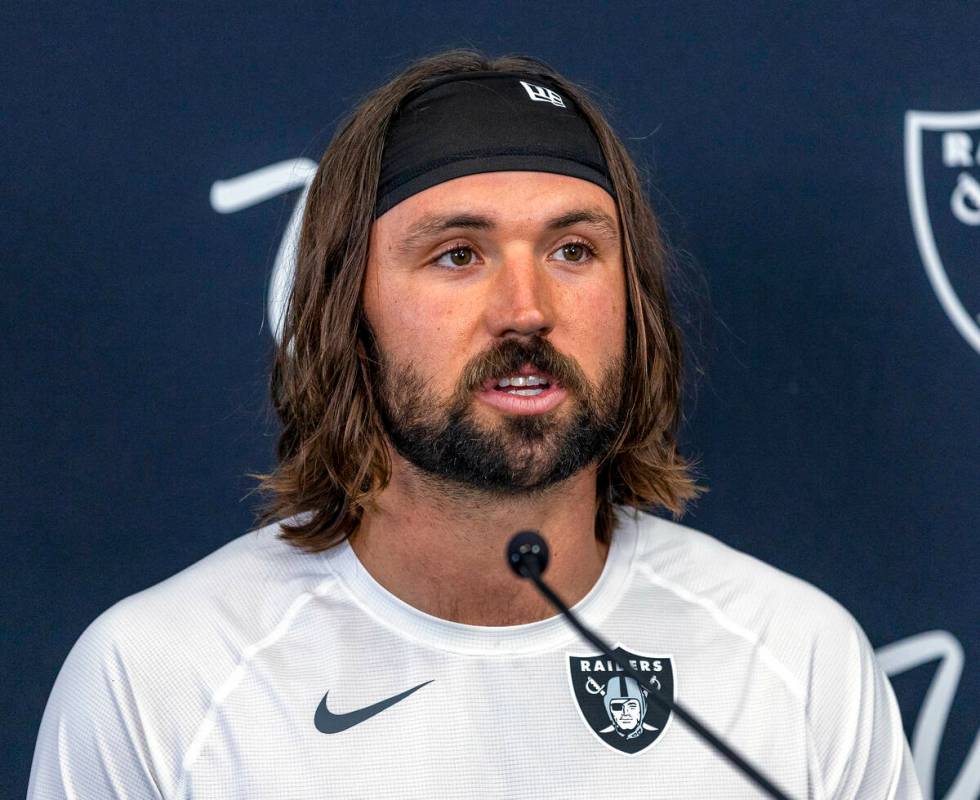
912,652
255,187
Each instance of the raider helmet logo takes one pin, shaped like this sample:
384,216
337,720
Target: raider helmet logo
942,172
617,708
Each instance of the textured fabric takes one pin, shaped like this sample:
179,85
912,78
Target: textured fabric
211,684
476,122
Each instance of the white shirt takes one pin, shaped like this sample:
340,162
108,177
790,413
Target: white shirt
212,684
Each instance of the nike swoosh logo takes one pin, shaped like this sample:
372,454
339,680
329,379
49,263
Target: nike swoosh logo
328,722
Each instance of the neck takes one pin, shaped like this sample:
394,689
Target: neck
442,549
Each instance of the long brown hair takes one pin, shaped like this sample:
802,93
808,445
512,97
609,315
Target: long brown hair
333,454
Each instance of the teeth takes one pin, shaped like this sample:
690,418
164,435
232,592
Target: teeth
521,380
526,392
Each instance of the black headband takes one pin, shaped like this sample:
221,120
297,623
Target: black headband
474,122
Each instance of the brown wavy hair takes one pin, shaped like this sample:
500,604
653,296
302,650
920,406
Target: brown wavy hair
333,456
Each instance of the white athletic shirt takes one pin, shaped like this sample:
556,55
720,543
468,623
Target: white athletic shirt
212,684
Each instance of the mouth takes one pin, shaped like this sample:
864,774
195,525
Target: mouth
527,390
528,381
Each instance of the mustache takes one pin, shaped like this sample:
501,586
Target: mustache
508,356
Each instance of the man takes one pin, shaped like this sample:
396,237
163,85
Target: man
478,341
626,706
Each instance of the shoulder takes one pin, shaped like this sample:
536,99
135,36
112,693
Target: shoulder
737,582
198,620
212,609
790,618
804,635
139,680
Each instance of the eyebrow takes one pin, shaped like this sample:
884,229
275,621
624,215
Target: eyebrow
435,224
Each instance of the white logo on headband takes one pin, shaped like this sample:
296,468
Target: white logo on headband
543,95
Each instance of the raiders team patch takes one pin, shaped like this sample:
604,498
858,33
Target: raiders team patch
616,707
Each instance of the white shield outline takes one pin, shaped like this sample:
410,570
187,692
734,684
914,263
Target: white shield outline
915,123
571,688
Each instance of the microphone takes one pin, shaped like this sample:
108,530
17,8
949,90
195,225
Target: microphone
527,554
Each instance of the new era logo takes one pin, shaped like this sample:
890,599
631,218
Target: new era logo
543,94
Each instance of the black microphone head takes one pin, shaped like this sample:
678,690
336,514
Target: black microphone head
527,545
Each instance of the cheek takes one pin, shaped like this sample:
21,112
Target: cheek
596,320
420,328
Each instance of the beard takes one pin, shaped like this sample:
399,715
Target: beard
520,454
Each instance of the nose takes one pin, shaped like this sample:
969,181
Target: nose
520,301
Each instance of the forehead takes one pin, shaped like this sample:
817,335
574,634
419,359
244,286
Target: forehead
506,198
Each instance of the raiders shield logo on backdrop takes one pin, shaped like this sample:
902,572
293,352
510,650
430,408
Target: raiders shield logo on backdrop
616,707
942,173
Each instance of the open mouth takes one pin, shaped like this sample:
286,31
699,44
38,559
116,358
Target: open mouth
527,390
528,381
523,385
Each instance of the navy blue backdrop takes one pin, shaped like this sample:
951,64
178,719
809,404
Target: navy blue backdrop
832,236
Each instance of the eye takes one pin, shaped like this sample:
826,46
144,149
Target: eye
575,252
456,257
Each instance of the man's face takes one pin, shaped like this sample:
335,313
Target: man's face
625,713
485,278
